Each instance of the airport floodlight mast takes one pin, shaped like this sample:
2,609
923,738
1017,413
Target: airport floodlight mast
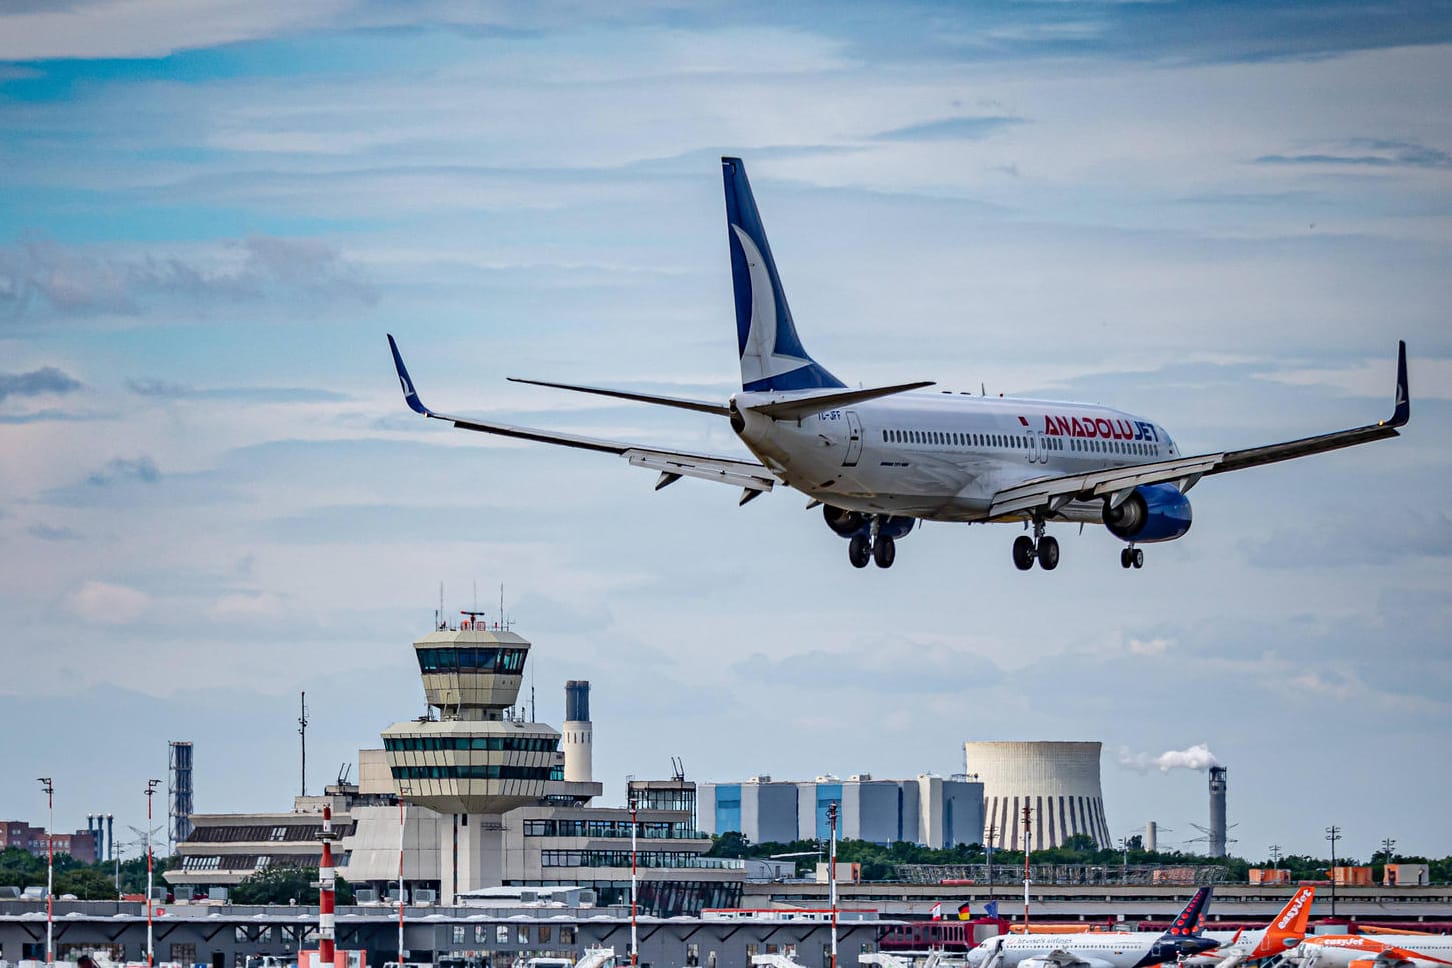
988,851
1027,827
49,789
151,786
1333,834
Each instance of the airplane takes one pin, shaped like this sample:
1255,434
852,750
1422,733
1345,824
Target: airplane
879,460
1285,931
1110,949
1380,951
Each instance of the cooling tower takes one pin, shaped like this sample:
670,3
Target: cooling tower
1058,782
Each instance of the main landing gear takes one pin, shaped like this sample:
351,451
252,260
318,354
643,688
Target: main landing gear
876,546
1131,557
1043,548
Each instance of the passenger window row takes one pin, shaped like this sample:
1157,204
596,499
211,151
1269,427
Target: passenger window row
1081,445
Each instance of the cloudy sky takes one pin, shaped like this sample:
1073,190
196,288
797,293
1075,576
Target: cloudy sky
1221,215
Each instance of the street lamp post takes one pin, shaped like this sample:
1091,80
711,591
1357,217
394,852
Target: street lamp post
1333,834
151,786
49,868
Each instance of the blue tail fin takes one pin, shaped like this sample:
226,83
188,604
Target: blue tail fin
772,356
1192,918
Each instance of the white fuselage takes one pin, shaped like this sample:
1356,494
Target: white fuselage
1339,951
942,456
1119,949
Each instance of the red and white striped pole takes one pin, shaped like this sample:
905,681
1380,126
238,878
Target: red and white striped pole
326,883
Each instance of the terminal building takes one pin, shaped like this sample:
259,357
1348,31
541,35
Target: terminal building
477,796
930,811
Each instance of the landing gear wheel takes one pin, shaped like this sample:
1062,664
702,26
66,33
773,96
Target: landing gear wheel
884,550
859,551
1126,557
1138,559
1023,552
1048,553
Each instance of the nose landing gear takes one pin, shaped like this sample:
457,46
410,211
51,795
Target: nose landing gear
1041,547
1131,557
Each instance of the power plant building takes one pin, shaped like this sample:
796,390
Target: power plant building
1058,783
929,810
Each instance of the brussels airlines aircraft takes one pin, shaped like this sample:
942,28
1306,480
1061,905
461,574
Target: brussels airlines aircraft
881,459
1109,949
1285,931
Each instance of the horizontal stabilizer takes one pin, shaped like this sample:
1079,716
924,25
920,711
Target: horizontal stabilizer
799,407
702,406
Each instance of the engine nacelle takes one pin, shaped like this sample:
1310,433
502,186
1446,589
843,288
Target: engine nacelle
847,524
1154,512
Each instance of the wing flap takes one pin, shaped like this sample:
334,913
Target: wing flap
1043,492
740,473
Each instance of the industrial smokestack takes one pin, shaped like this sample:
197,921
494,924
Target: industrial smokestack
1217,811
577,735
1151,836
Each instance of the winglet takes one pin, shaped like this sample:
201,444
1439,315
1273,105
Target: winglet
1403,411
410,395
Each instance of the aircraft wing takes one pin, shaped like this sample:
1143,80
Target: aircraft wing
752,477
1049,494
1059,958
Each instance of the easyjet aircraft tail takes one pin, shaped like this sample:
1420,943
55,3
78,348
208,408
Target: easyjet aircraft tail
1287,928
772,355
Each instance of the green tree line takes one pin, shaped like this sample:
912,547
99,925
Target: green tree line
98,882
879,861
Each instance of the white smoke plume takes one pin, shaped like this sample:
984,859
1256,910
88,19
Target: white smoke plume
1197,757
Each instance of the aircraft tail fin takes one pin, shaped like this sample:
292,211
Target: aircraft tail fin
1288,928
772,355
1189,921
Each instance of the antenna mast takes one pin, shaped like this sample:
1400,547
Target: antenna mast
302,730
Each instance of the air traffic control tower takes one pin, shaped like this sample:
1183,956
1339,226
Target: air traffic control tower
479,758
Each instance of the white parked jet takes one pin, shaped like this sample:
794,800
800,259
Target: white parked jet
881,459
1286,930
1093,949
1373,951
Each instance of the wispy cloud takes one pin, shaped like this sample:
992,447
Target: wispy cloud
1368,153
75,281
47,379
951,129
46,532
141,469
169,390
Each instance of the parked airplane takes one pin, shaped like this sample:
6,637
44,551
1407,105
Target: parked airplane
879,460
1285,931
1379,951
1110,949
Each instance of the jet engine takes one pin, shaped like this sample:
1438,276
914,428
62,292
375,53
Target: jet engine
1153,512
846,523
